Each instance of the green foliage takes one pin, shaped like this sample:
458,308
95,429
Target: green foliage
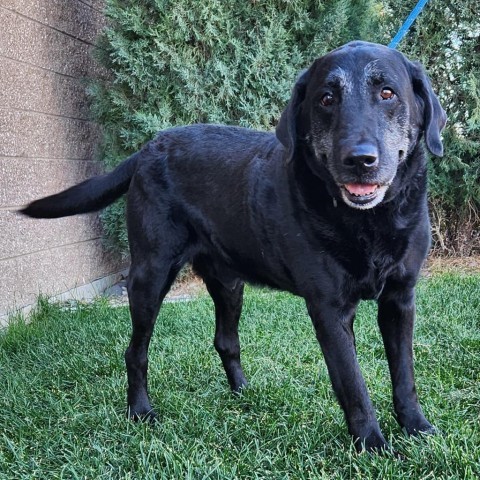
181,62
234,62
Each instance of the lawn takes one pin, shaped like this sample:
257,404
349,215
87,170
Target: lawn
62,394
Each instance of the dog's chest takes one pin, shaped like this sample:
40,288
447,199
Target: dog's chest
369,284
375,254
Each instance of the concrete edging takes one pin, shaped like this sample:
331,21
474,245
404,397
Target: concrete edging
83,292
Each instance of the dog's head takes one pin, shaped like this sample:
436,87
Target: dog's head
362,109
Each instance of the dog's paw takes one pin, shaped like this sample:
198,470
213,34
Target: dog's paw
424,428
373,443
237,381
142,415
418,425
239,388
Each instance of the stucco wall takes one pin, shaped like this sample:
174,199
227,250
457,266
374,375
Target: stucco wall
47,143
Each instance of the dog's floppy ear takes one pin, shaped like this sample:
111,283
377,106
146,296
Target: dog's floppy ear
286,130
434,117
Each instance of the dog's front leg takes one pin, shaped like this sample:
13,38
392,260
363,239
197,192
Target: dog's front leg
396,315
334,329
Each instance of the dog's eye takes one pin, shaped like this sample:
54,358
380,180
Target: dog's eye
387,93
327,100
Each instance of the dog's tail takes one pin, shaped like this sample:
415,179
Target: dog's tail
91,195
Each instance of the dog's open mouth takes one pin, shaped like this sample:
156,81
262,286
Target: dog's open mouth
360,192
363,195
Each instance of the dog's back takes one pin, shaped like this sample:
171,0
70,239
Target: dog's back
203,157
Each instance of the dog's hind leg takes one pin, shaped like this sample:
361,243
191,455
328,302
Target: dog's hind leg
148,283
159,239
228,299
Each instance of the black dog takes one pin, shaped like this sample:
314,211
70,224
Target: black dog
333,208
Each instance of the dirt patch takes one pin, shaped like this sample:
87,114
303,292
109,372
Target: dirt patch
186,289
465,265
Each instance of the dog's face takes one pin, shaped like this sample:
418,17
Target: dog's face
361,109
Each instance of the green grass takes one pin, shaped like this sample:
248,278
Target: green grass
62,394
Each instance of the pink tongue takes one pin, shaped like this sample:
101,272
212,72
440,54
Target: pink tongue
360,188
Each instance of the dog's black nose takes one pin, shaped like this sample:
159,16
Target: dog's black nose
364,155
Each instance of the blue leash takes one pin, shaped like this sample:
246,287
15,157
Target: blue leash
407,24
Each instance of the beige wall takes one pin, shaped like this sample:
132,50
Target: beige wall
47,143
